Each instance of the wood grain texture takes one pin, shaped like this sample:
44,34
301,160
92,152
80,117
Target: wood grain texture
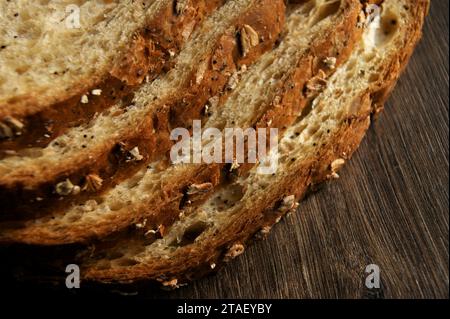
390,206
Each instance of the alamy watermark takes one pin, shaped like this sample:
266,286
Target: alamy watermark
73,277
373,279
233,146
69,16
72,20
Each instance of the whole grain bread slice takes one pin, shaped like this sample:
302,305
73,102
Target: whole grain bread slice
81,59
316,32
311,151
91,158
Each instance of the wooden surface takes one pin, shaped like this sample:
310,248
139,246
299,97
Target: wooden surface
389,208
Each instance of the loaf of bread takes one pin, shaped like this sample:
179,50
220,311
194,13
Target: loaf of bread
138,216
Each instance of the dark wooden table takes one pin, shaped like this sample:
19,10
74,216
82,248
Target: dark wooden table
390,206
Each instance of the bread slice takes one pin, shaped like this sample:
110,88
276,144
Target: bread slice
315,31
311,151
81,58
126,136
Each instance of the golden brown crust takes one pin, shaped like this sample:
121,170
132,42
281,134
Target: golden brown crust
190,262
111,164
150,52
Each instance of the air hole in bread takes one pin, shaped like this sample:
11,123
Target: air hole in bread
72,218
234,194
116,205
151,186
374,77
325,11
58,144
349,75
22,69
339,114
351,65
389,23
125,262
114,255
313,130
369,56
277,76
289,146
306,8
191,233
300,129
34,152
136,179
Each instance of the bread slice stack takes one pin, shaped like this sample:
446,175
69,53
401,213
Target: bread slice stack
102,186
79,59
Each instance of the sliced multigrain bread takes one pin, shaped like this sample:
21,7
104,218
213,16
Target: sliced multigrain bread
90,158
81,57
274,91
312,150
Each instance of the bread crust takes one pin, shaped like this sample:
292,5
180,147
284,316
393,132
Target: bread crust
194,261
288,101
19,190
149,53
